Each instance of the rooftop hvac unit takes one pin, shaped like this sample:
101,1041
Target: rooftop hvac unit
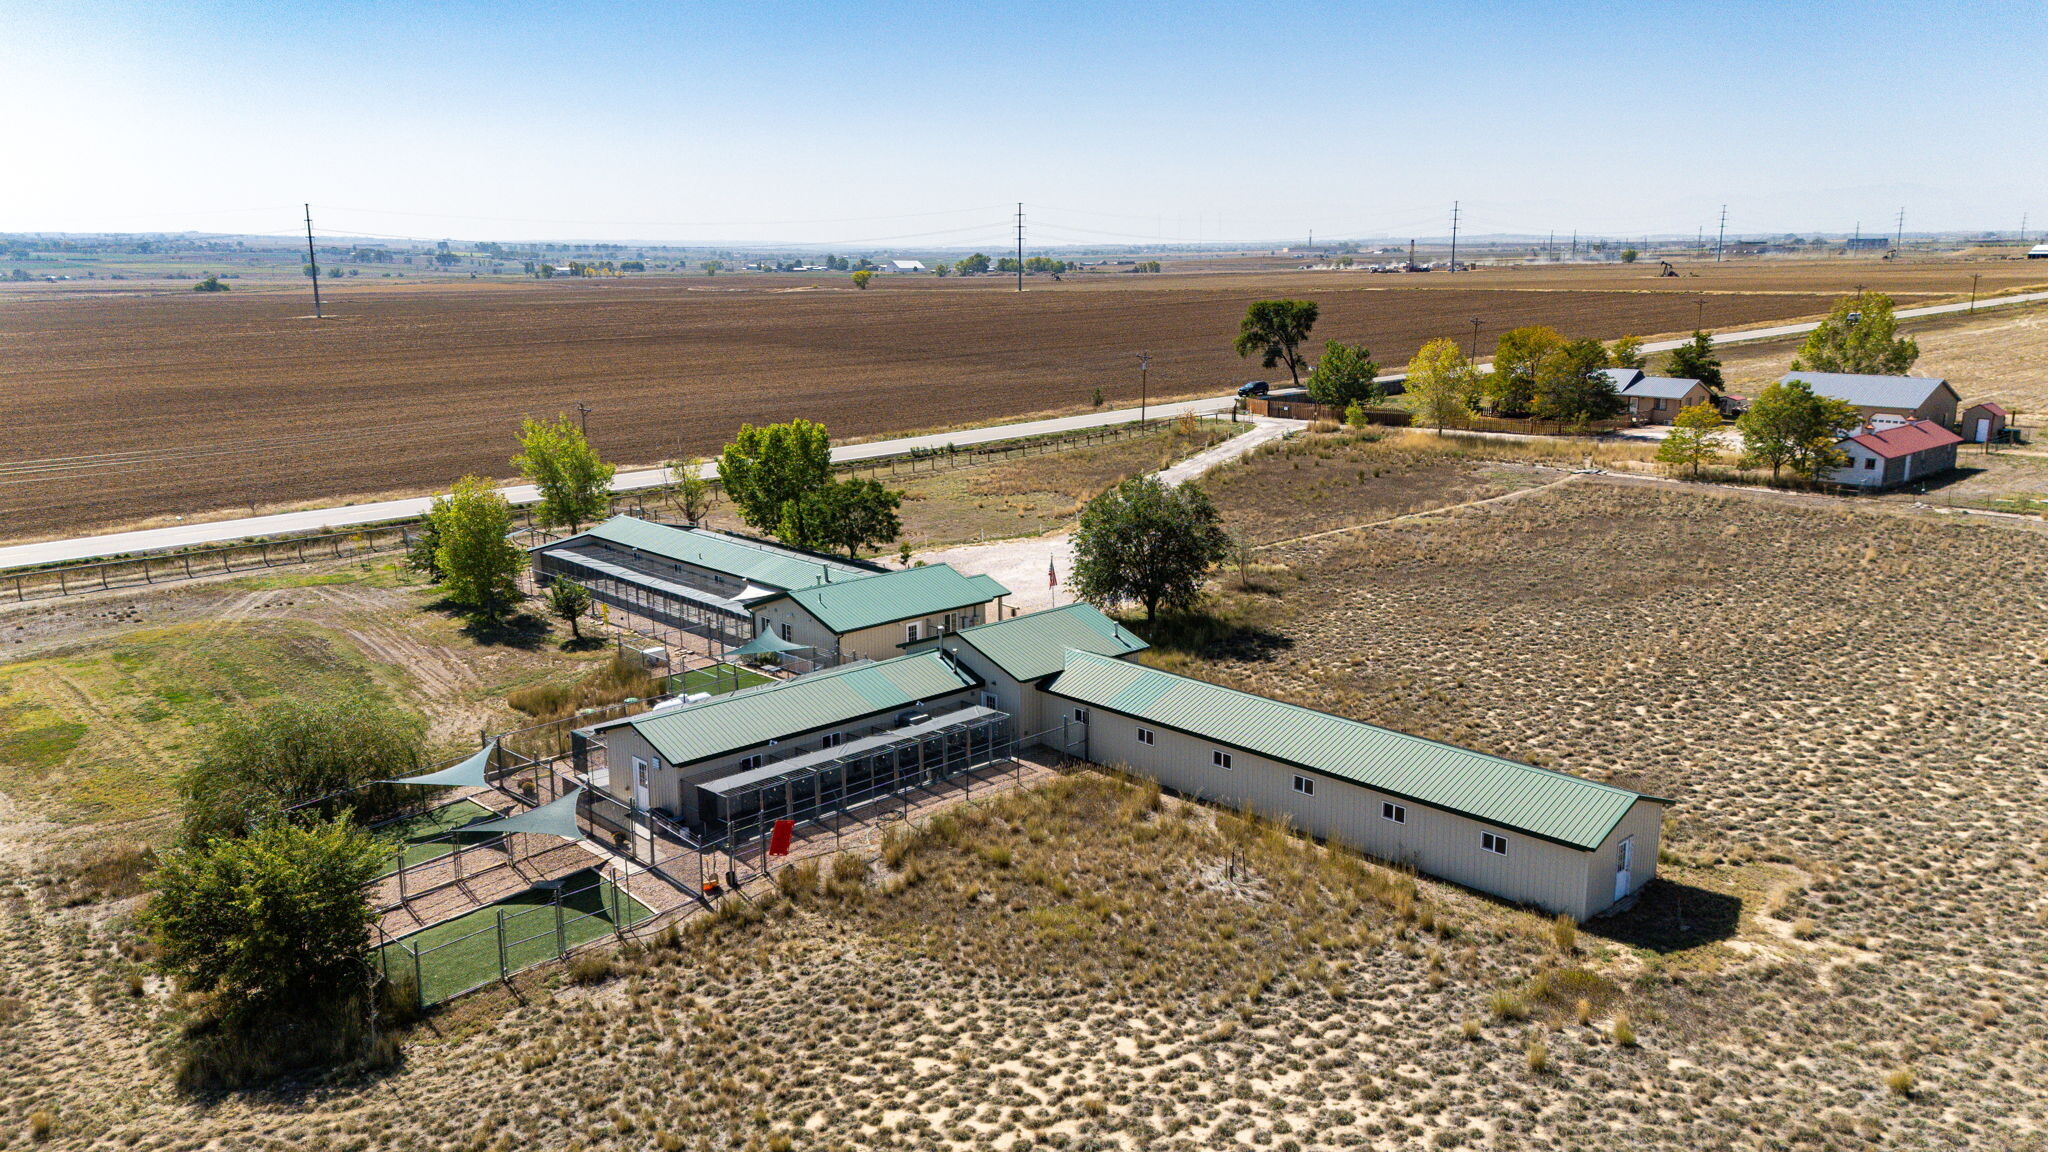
906,719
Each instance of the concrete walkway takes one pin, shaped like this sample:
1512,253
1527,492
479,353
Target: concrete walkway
1025,566
223,531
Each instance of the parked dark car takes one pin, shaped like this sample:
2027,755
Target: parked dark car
1253,388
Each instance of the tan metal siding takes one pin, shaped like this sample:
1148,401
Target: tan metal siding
1644,822
1435,842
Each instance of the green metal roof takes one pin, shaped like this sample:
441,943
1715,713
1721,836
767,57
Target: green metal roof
851,605
761,564
1032,647
1551,805
754,716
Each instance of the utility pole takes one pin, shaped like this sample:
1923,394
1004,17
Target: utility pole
312,262
1411,255
1144,367
1721,237
2023,227
1020,245
1474,353
1575,243
1899,236
1699,321
1973,292
1454,235
583,418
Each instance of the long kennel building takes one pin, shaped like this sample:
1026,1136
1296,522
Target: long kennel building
693,579
1065,679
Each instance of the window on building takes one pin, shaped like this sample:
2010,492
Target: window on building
832,740
789,633
1144,735
1870,463
1398,813
948,625
1219,758
749,763
910,632
1080,715
1304,785
1494,843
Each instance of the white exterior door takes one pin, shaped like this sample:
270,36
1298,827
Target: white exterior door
1624,869
639,784
1983,431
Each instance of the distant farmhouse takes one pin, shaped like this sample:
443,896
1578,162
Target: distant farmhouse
906,266
2038,252
1063,679
1657,399
1887,400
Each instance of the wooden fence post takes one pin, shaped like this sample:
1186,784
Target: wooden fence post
503,970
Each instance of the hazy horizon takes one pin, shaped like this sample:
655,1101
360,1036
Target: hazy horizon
919,127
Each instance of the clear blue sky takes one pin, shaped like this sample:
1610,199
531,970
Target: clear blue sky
894,125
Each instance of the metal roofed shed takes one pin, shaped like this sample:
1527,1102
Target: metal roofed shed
755,716
852,749
1033,647
755,562
1911,397
1569,810
852,605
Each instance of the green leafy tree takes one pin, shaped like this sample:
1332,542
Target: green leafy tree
1696,360
862,277
1789,426
766,469
1627,352
855,515
1629,255
212,283
972,264
1275,329
1859,335
575,484
1144,541
570,602
261,762
1510,388
1345,375
479,563
1440,384
1571,385
712,267
689,491
1695,438
276,920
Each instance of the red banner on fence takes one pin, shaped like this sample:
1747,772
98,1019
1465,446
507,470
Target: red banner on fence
780,836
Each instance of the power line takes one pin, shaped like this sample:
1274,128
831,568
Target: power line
312,262
1454,235
1020,245
1721,237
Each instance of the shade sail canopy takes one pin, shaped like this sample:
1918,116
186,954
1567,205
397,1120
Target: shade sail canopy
555,818
468,774
766,644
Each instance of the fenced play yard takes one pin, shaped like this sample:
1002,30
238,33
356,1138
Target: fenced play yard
463,905
532,927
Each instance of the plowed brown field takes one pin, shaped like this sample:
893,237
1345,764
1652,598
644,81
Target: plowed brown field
130,408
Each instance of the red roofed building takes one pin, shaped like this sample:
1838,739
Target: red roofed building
1985,422
1888,457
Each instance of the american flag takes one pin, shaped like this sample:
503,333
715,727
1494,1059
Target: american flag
1052,575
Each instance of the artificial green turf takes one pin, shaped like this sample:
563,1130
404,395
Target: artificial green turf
431,834
463,953
717,680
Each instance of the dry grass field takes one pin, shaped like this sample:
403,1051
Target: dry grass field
1844,952
135,407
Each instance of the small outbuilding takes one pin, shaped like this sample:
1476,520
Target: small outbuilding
1881,458
906,266
872,617
1985,422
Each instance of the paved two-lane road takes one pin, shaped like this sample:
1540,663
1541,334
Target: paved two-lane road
357,515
